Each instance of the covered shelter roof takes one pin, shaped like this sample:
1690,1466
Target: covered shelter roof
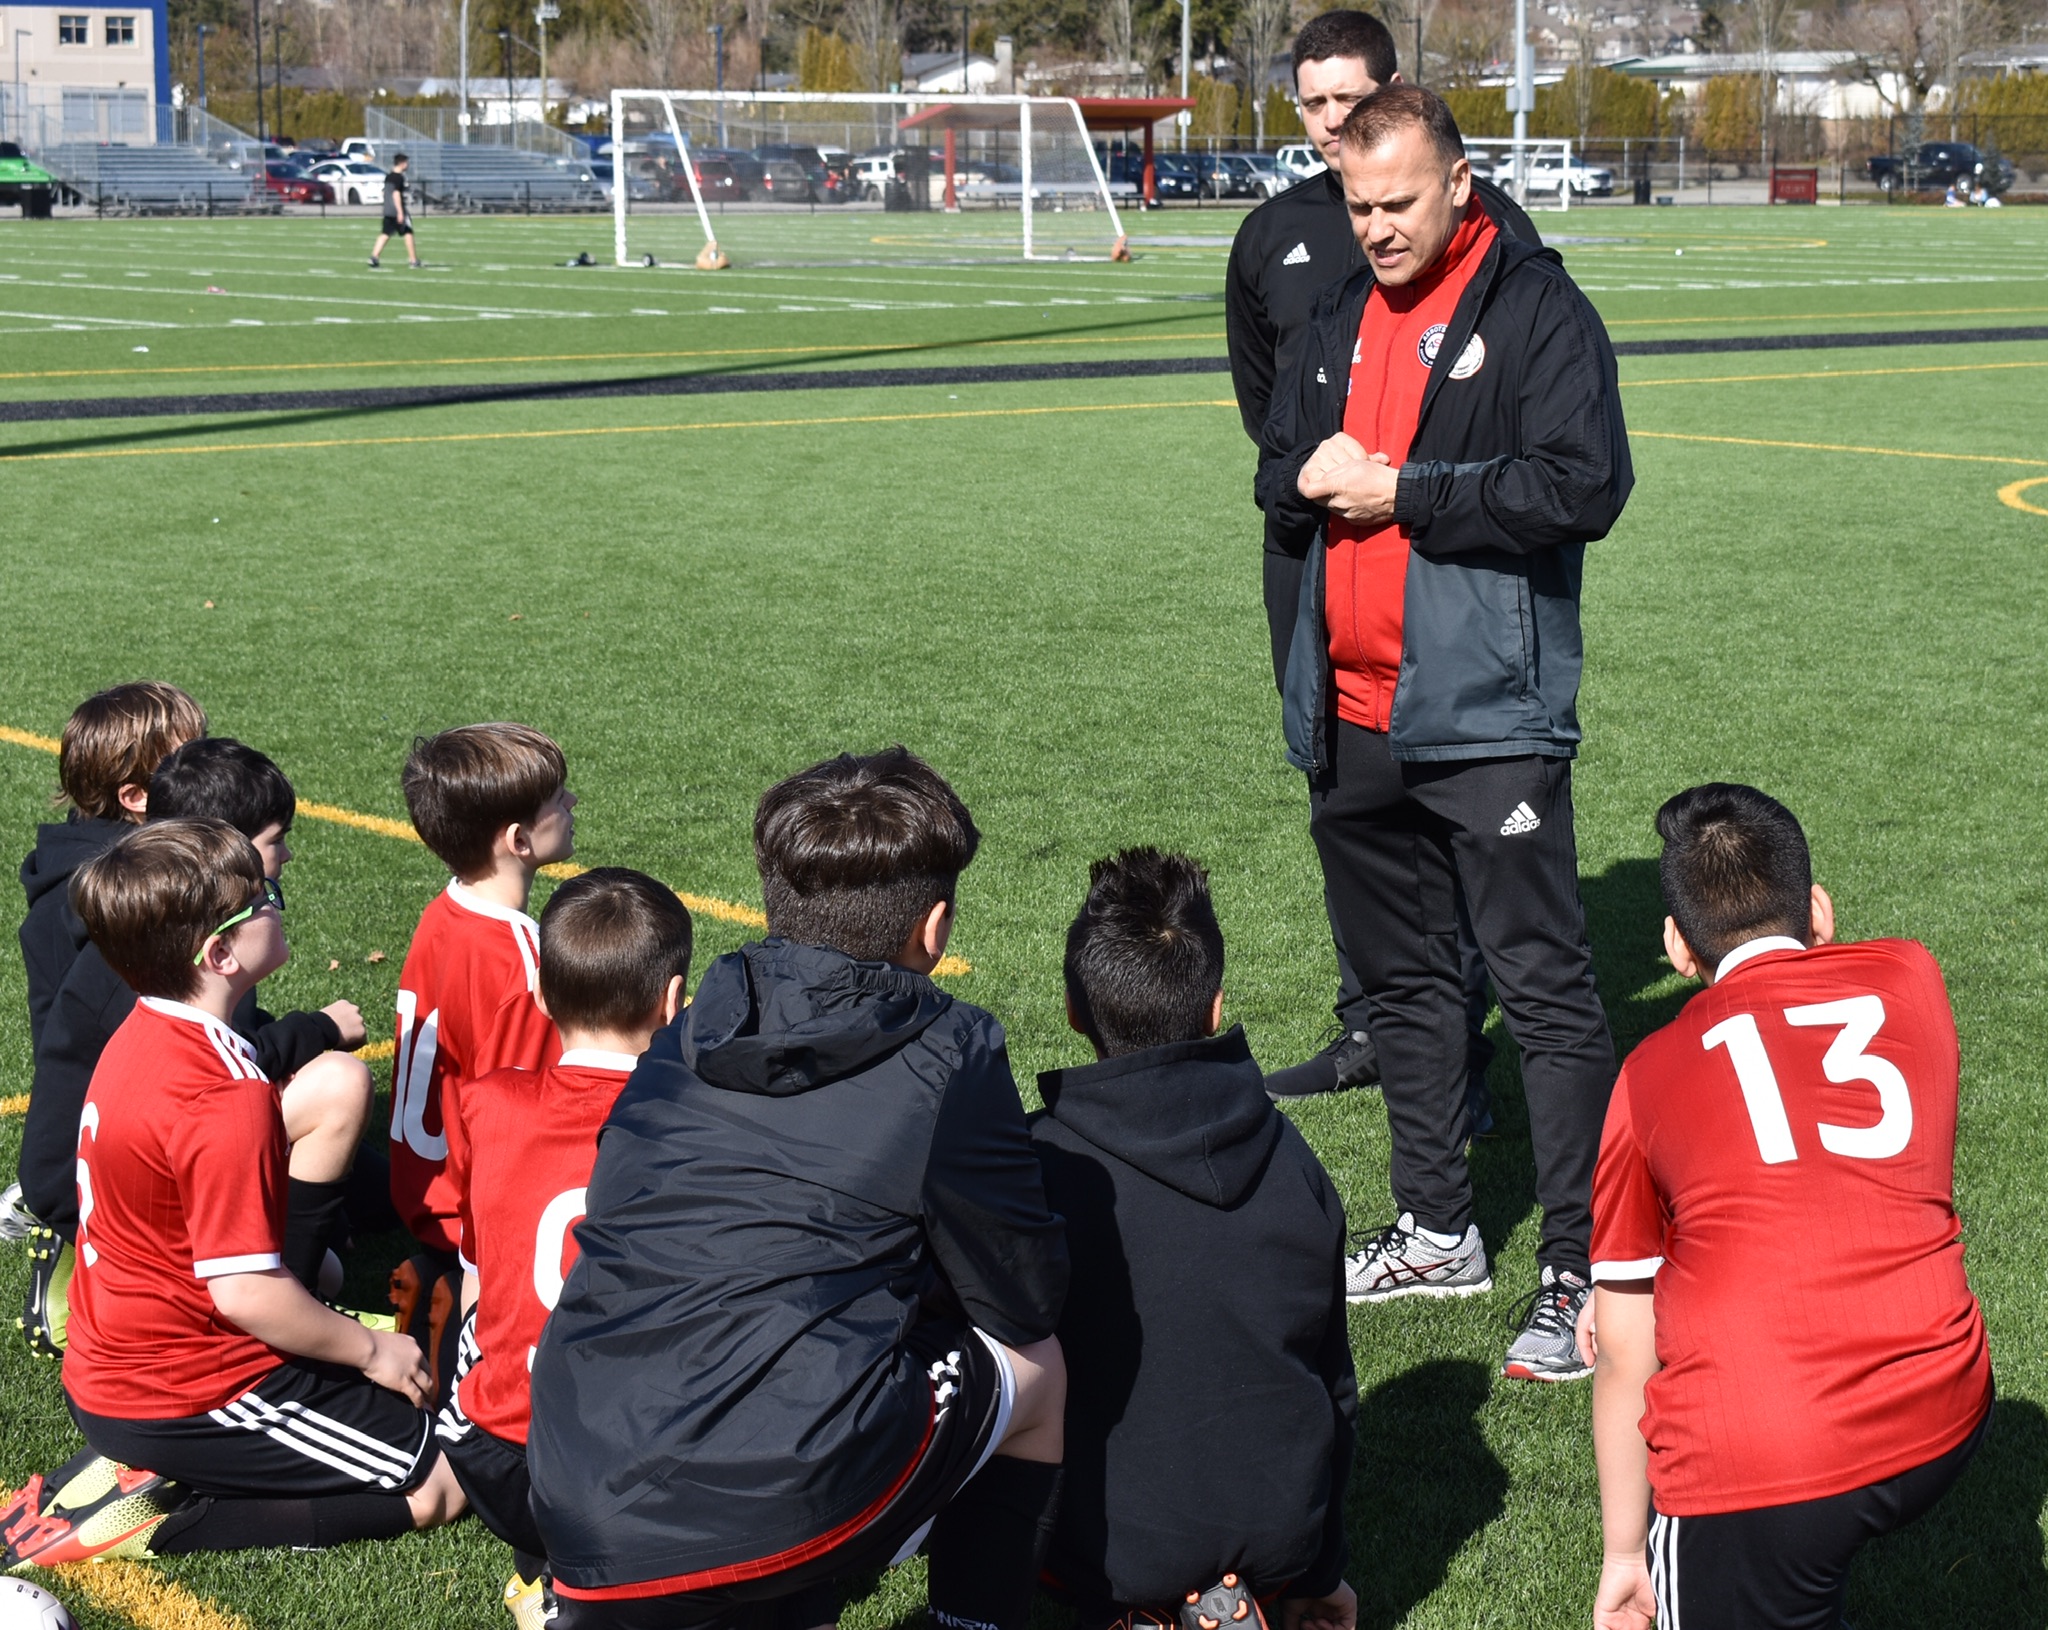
1097,112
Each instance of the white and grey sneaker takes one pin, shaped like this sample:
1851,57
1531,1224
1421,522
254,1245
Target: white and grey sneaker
1402,1261
15,1219
1548,1347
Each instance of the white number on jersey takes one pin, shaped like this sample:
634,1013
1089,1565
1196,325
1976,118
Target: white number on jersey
88,1126
412,1072
1857,1020
549,1240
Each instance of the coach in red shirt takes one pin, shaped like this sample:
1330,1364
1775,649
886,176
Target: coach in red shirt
1448,439
1790,1359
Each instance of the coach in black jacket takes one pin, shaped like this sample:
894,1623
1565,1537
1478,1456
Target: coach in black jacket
1518,458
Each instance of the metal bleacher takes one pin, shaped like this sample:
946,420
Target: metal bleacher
149,180
522,166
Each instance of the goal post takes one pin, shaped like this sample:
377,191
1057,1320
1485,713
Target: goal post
683,159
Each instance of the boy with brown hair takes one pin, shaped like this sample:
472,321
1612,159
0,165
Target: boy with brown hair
614,953
227,1408
111,745
492,801
811,1324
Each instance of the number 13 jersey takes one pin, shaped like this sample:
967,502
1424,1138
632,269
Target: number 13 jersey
1781,1159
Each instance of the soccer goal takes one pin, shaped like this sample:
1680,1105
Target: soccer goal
1542,175
889,177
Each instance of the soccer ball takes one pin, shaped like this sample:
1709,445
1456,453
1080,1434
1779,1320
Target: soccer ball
24,1606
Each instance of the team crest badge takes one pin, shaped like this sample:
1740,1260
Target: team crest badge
1432,341
1470,360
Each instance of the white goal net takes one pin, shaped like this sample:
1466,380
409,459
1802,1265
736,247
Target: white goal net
702,175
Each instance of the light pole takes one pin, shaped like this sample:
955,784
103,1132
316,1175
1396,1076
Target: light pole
256,38
277,71
718,58
964,86
21,112
543,14
1524,98
462,74
505,60
203,31
1186,51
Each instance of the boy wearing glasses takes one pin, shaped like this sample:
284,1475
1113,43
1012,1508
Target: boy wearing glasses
327,1093
224,1407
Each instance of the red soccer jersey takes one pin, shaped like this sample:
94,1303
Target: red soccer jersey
530,1138
465,1008
1781,1157
181,1177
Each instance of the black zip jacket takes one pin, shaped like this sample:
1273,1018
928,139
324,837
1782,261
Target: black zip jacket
1520,458
1287,251
818,1157
88,1010
51,934
1210,1398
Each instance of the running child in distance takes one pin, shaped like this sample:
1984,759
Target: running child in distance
492,802
223,1407
397,214
614,956
818,1270
1789,1358
1208,1284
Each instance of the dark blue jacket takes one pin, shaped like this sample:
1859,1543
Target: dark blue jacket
1516,465
817,1158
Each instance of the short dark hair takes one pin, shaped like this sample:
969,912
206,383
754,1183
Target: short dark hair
1393,108
1735,867
1348,34
400,159
221,777
466,785
117,737
854,851
1145,956
150,902
610,941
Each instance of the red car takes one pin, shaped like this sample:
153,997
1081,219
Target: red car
716,180
294,187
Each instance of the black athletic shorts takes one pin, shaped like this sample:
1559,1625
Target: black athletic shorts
395,228
491,1469
1786,1567
977,1390
305,1430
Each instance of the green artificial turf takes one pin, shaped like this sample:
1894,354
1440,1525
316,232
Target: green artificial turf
1051,591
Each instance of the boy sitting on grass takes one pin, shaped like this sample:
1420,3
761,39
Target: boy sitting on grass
112,744
492,802
1790,1362
1210,1396
614,953
812,1319
326,1101
224,1405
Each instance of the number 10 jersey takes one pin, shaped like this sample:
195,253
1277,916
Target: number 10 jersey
1780,1158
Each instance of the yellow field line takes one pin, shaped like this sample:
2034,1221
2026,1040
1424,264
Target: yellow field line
1839,373
1787,317
706,905
144,1597
602,430
1844,447
593,356
17,1105
2010,495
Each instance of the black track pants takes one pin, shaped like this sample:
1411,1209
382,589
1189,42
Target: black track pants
1397,841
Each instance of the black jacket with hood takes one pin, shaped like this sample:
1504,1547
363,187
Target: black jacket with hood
819,1157
51,935
1519,460
1210,1396
88,1010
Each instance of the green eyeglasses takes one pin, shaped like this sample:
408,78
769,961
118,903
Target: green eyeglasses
269,895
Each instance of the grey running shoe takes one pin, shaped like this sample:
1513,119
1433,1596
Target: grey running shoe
1398,1261
1548,1347
15,1219
1349,1061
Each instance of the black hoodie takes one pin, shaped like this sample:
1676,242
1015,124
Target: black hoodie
89,1008
51,934
1210,1395
818,1157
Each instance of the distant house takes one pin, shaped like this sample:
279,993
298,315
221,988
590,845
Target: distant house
78,73
935,73
1811,84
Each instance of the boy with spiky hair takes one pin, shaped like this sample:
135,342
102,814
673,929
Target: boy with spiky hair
614,953
227,1407
812,1320
328,1095
111,745
492,802
1208,1284
1789,1360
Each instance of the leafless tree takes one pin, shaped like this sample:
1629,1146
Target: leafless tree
1119,31
1263,29
874,28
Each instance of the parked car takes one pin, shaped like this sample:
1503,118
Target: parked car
353,180
783,181
25,183
1267,177
360,147
830,183
1935,166
716,181
320,146
288,183
1548,173
1174,177
744,165
1300,160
